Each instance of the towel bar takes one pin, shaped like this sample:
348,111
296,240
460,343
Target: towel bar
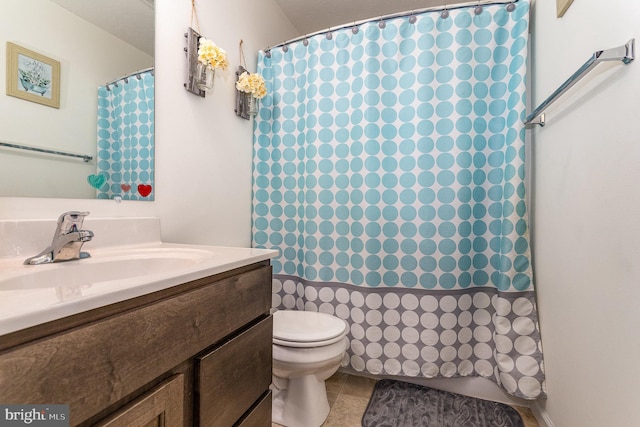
84,157
625,53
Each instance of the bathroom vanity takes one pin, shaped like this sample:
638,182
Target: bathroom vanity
194,349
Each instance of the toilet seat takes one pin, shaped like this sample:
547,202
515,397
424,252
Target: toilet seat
306,328
296,344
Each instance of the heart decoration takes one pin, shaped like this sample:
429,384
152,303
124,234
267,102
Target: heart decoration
144,190
96,181
125,187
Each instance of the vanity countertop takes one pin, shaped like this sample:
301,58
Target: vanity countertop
34,294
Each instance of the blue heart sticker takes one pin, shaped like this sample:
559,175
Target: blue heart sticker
96,181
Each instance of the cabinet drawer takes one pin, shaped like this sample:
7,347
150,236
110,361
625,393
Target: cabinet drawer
260,414
94,366
231,378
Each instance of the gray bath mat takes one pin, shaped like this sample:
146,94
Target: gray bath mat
400,404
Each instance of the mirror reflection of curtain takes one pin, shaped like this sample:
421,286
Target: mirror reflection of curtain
125,155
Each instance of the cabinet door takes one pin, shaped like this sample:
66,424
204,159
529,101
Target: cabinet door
160,407
231,378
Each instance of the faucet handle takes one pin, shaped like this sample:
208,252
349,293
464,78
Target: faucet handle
70,222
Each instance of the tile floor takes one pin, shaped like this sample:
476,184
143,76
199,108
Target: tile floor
349,394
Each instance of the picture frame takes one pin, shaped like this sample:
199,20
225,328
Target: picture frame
562,6
32,76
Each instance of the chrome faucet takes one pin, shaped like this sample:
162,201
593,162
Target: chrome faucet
67,240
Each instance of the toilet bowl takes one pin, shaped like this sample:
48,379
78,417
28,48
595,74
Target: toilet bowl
307,349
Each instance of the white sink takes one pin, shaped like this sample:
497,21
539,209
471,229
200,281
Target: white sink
105,266
127,260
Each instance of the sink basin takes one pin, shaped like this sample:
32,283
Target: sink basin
128,260
104,266
34,294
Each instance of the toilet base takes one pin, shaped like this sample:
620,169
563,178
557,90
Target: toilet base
303,403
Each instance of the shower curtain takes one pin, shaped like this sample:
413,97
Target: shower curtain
389,172
125,155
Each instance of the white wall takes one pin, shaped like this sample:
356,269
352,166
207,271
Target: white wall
89,57
586,215
203,151
585,186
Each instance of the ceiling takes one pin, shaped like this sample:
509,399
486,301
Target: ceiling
129,20
133,20
310,16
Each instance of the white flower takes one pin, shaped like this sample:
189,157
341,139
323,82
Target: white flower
209,53
252,83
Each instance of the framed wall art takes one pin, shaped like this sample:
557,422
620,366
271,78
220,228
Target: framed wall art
32,76
562,6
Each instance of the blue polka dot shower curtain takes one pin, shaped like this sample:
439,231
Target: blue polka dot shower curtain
125,156
389,172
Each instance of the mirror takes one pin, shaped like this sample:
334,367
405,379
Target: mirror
94,42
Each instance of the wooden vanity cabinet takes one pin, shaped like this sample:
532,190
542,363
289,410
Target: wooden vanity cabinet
197,354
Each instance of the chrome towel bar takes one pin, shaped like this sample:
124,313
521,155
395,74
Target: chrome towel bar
84,157
625,53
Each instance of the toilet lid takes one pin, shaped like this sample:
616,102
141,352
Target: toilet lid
306,326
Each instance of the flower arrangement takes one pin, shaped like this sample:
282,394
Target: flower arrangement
252,83
210,54
34,78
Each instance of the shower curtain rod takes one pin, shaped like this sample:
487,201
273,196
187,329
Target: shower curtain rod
394,15
126,77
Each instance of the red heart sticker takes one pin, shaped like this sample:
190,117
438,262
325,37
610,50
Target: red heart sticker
144,190
125,187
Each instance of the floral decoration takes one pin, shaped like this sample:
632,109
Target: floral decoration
210,54
252,83
34,76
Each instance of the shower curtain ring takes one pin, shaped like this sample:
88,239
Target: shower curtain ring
444,14
511,7
412,18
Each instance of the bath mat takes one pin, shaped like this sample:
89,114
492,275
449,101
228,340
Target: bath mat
399,404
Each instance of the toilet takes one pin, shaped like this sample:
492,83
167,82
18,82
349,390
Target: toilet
307,349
